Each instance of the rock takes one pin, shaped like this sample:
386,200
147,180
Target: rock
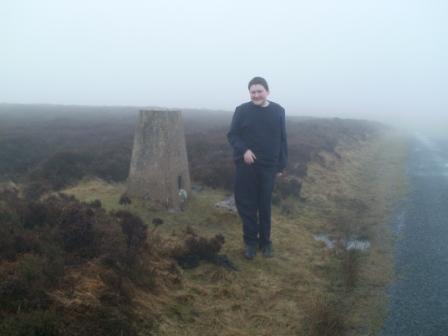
227,204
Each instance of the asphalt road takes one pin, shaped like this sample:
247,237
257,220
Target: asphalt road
419,298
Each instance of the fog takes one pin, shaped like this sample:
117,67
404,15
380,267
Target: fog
370,59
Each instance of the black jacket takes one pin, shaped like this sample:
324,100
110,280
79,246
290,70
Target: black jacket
263,131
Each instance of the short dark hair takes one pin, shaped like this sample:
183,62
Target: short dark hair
258,80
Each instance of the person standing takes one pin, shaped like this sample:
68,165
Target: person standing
258,138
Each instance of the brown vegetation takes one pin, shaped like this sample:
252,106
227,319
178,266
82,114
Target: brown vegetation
69,267
70,257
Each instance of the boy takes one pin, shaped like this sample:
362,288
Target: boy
258,137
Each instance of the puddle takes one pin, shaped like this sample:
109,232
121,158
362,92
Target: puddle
325,239
352,244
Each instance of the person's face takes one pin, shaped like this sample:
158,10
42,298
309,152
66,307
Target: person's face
258,94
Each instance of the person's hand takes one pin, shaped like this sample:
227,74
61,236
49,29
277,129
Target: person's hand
249,157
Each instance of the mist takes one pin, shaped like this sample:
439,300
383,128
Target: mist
379,60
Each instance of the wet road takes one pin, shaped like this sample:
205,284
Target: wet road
419,298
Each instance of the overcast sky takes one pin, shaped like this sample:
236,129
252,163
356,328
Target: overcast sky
357,58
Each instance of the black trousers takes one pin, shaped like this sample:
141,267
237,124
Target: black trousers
253,185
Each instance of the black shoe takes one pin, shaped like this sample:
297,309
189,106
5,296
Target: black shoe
267,251
250,251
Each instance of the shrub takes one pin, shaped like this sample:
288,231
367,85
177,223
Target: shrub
63,168
12,291
26,242
9,227
287,187
34,189
198,248
35,215
324,318
76,230
204,248
37,323
30,268
16,294
124,200
133,228
157,221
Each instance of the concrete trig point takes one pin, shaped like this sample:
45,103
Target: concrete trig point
159,164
